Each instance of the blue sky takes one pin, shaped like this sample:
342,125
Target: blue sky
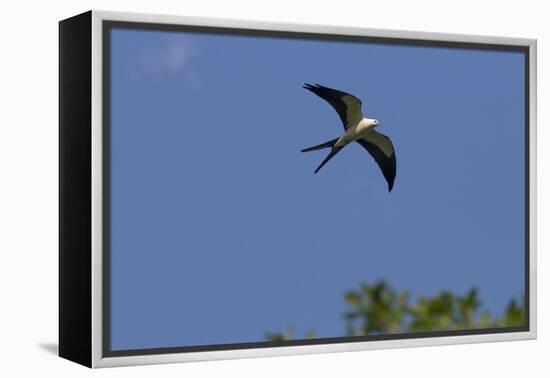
220,231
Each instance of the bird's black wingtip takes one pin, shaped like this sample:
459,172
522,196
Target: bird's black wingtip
312,86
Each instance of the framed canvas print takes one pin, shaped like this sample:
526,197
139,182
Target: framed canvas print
235,189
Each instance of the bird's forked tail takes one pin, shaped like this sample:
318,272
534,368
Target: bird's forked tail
328,144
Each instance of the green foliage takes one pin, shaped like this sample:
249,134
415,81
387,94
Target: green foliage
376,309
279,336
287,334
514,316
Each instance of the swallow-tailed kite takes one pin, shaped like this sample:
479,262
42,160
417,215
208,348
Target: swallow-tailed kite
357,128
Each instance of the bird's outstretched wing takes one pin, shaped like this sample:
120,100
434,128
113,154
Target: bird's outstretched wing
381,149
346,105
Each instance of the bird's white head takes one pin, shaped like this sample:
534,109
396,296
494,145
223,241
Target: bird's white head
375,122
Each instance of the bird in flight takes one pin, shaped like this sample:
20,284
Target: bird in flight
358,129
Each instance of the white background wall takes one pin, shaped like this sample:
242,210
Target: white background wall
28,186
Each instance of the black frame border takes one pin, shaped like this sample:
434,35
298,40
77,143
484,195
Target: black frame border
75,193
108,25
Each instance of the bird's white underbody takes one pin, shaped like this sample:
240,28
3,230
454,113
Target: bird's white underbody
360,130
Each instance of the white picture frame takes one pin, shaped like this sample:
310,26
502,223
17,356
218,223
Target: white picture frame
82,339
